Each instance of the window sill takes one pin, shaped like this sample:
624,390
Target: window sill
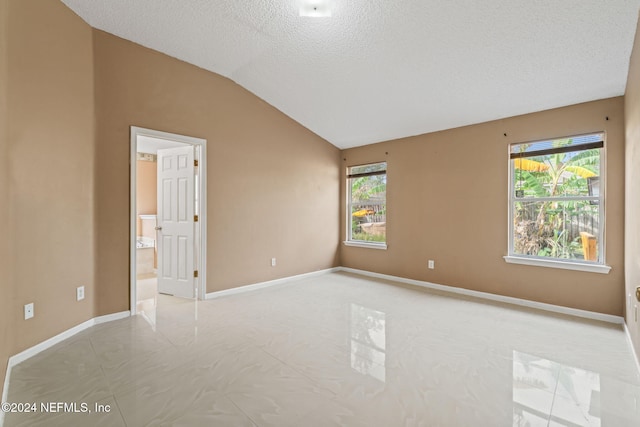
567,265
382,246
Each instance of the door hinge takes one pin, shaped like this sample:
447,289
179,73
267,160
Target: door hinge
195,273
195,218
195,163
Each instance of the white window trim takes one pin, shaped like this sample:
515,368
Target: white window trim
558,263
363,244
359,243
599,267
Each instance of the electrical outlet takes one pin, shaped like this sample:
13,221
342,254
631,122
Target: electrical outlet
79,293
28,311
273,262
432,264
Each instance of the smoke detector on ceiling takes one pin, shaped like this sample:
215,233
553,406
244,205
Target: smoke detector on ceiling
315,8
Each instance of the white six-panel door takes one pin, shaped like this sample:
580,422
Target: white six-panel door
176,221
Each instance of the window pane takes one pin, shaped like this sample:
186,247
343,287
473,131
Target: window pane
562,174
375,167
575,141
368,208
566,229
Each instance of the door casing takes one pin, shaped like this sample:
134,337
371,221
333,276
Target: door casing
201,229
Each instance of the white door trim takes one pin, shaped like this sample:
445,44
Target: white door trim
201,234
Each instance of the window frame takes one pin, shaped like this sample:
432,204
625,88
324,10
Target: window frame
349,239
598,266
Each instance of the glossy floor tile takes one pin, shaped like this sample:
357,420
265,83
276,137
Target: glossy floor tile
334,350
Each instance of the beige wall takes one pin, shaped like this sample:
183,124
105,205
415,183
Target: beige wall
6,288
146,190
447,201
632,212
147,187
50,166
273,186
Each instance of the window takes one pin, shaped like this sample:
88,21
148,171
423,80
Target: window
556,206
367,205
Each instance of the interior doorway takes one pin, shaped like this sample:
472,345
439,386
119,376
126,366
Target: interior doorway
168,218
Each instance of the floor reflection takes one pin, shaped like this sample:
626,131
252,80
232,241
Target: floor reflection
150,304
368,341
147,297
547,390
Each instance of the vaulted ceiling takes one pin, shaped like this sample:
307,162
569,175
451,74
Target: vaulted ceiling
382,69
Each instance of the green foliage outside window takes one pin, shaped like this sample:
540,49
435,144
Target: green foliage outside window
553,200
367,201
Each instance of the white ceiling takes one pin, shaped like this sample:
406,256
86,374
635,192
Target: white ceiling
384,69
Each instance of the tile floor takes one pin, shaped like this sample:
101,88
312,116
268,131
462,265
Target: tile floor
338,349
147,296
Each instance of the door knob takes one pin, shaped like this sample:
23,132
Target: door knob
158,228
638,293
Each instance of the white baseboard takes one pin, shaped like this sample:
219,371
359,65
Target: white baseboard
32,351
261,285
494,297
633,348
111,317
451,289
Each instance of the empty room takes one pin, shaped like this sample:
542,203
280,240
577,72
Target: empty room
320,213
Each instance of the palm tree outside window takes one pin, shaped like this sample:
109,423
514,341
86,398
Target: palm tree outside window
557,199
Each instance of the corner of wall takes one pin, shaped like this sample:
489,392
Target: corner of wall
632,199
6,288
251,218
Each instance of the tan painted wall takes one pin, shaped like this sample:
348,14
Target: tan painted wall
273,186
146,190
632,212
51,166
6,288
447,201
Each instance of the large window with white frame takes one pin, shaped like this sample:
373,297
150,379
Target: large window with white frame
556,200
367,204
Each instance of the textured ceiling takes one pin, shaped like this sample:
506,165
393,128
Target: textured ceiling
383,69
